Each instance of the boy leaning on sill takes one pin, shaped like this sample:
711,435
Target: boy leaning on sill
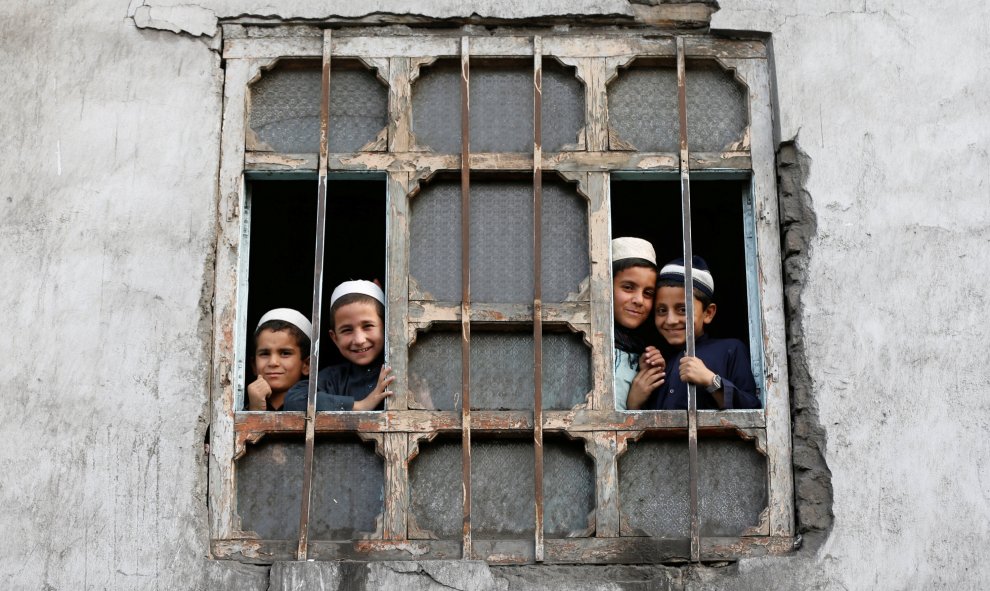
360,382
720,368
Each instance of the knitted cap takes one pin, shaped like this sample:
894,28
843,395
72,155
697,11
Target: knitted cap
359,286
288,315
629,247
700,275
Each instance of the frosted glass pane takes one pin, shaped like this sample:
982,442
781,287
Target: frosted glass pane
285,109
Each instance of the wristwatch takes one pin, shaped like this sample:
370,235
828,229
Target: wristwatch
716,384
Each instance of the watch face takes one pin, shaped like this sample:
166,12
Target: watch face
716,384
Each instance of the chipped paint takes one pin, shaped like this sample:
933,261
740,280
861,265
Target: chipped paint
189,19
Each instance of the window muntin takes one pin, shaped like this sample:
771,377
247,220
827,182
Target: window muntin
400,433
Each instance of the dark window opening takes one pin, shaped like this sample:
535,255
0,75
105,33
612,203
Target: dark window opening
652,210
283,241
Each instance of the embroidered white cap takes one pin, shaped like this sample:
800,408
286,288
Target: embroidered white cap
629,247
288,315
357,286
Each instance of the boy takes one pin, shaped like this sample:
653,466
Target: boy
634,275
357,309
281,357
720,369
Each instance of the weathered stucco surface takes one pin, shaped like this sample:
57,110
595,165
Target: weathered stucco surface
106,224
107,209
889,102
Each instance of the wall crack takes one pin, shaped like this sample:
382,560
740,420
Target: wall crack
812,477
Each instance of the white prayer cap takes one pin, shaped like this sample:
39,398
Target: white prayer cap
629,247
359,286
288,315
700,275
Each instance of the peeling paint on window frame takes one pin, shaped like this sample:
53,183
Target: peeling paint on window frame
398,431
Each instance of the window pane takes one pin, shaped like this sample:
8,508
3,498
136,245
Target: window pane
642,108
285,108
501,370
269,488
501,241
501,106
435,370
568,488
348,480
565,259
716,108
435,241
654,487
435,497
502,492
501,507
348,490
436,106
563,106
566,370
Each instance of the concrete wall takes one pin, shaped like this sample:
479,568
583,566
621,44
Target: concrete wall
107,207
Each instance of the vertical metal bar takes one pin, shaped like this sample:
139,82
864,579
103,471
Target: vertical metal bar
314,359
466,292
538,288
685,166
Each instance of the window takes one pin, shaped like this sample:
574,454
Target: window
502,442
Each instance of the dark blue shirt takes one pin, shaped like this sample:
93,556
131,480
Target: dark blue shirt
726,357
337,387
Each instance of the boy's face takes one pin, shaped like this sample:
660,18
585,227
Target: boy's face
671,319
633,291
358,332
278,360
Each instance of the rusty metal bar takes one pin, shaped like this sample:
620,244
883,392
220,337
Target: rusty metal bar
314,359
538,289
685,168
466,292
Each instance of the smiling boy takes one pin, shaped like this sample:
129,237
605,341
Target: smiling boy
720,368
361,381
281,357
634,277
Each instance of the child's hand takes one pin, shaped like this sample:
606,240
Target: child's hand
694,371
258,393
652,358
371,401
646,381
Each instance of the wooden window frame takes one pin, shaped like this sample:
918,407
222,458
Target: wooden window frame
398,431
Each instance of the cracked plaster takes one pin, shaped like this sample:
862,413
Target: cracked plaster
191,19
